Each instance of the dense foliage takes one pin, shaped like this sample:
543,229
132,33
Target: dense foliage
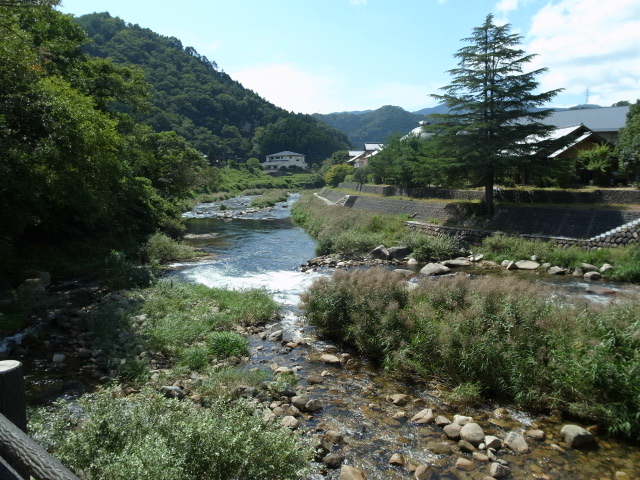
372,127
146,436
75,168
628,147
500,335
191,95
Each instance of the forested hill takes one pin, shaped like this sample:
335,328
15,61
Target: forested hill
374,126
192,96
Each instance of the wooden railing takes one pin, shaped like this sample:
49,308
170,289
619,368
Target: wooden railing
21,457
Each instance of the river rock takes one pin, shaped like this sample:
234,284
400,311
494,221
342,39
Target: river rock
465,464
527,265
44,277
268,416
516,442
380,253
498,470
300,401
600,290
605,268
397,459
440,448
480,457
512,266
457,262
492,442
399,399
578,272
557,271
424,417
424,472
472,433
58,357
399,253
452,431
330,359
351,473
587,267
313,405
441,421
290,422
462,419
577,437
404,272
478,257
505,263
592,276
466,446
32,286
314,380
171,391
333,437
434,269
276,336
537,435
333,460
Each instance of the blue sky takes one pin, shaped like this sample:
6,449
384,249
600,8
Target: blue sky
341,55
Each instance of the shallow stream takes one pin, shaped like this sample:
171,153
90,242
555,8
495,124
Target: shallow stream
264,250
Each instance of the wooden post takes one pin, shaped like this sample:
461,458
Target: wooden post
12,399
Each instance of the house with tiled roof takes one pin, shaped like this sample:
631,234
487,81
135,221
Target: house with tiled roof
282,161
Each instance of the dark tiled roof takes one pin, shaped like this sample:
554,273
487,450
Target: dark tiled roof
609,119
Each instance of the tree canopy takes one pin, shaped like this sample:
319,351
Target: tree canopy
628,147
492,125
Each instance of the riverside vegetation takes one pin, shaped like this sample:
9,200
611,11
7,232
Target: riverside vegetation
488,337
491,337
151,340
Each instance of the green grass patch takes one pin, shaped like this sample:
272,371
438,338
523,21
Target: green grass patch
161,249
491,336
148,437
270,198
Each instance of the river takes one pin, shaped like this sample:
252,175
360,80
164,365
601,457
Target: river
265,250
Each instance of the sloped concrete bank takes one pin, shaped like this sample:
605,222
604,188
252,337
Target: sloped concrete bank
589,228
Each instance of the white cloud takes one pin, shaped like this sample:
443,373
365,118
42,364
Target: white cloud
288,86
358,2
292,88
505,6
586,46
442,2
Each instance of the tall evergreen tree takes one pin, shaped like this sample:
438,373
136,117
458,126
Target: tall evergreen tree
492,126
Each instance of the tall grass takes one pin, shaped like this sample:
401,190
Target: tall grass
146,436
269,199
626,260
345,230
503,336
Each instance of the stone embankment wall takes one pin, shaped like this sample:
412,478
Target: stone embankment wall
628,235
625,197
588,228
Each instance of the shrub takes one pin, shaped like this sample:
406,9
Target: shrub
426,248
194,358
121,273
501,337
228,344
146,436
161,248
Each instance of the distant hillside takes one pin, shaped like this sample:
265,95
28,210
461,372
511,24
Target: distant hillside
216,114
372,126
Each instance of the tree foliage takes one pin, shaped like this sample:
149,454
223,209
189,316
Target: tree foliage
492,125
628,147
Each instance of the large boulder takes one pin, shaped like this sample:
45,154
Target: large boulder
557,271
472,433
577,437
380,253
457,262
351,473
587,267
424,417
434,269
44,277
516,442
592,276
527,265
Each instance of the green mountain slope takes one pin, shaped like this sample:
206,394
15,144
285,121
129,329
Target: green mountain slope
192,96
374,126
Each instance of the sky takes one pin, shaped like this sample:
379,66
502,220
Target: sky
323,56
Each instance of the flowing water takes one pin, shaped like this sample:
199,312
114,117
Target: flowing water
264,250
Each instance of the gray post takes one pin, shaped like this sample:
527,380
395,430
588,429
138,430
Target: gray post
12,399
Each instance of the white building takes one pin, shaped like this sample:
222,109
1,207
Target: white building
284,160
